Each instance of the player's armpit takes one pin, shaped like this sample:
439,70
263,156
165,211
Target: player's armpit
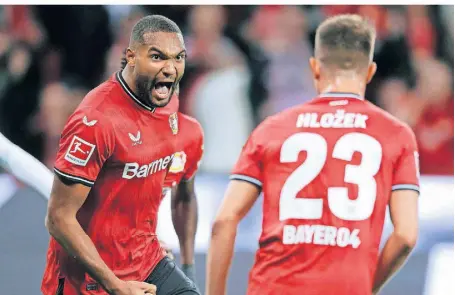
64,203
184,218
403,206
239,198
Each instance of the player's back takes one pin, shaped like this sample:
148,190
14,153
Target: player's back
328,168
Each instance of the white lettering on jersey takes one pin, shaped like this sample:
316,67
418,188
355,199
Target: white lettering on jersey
339,119
132,170
79,151
321,235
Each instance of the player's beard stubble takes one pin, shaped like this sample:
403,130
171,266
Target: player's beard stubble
145,86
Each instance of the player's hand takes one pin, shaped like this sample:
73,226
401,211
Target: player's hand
135,288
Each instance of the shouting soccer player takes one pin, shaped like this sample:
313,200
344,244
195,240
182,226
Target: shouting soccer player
328,169
113,157
179,181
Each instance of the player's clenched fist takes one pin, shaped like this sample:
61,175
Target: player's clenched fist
135,288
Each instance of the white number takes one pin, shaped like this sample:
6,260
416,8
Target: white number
339,203
316,147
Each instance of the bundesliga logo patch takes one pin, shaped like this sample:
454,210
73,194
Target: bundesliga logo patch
79,151
174,123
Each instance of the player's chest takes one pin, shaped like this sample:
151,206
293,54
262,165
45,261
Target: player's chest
145,142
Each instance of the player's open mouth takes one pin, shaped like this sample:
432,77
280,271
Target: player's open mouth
162,90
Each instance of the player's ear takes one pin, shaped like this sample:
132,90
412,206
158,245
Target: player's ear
130,57
371,71
315,68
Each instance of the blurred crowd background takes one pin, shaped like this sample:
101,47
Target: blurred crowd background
244,63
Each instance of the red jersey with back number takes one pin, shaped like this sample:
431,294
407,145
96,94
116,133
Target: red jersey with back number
119,147
327,169
189,146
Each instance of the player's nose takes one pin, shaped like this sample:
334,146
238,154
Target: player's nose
169,70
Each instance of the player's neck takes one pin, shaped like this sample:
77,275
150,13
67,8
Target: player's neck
129,80
343,85
126,75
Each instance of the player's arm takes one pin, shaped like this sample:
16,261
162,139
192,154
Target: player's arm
184,207
66,199
403,213
240,197
243,190
25,167
83,150
403,207
184,217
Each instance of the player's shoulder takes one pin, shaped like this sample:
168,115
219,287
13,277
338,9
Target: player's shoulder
102,96
389,121
94,109
284,118
191,124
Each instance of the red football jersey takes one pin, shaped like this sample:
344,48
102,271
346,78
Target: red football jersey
327,169
189,145
123,150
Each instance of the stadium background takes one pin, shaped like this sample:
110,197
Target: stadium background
244,63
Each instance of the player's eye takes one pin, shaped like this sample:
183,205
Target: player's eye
181,57
155,57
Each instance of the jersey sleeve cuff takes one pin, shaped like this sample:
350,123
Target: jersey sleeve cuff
411,187
249,179
73,178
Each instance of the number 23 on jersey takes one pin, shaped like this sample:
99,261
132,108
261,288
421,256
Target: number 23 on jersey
340,205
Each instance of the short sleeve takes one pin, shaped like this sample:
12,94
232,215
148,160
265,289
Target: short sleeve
406,169
87,141
194,159
249,165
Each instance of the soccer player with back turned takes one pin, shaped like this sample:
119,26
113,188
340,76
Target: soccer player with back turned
328,169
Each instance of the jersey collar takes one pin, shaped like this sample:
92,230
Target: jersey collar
340,95
131,94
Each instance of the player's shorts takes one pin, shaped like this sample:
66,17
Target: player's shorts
167,277
170,280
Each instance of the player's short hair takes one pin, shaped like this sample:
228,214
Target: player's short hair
345,42
152,24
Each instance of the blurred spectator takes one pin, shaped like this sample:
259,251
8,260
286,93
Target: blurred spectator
121,38
206,45
58,101
222,107
81,35
21,39
281,31
434,124
217,93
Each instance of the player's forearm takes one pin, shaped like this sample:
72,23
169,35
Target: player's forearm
69,234
220,256
392,257
184,218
